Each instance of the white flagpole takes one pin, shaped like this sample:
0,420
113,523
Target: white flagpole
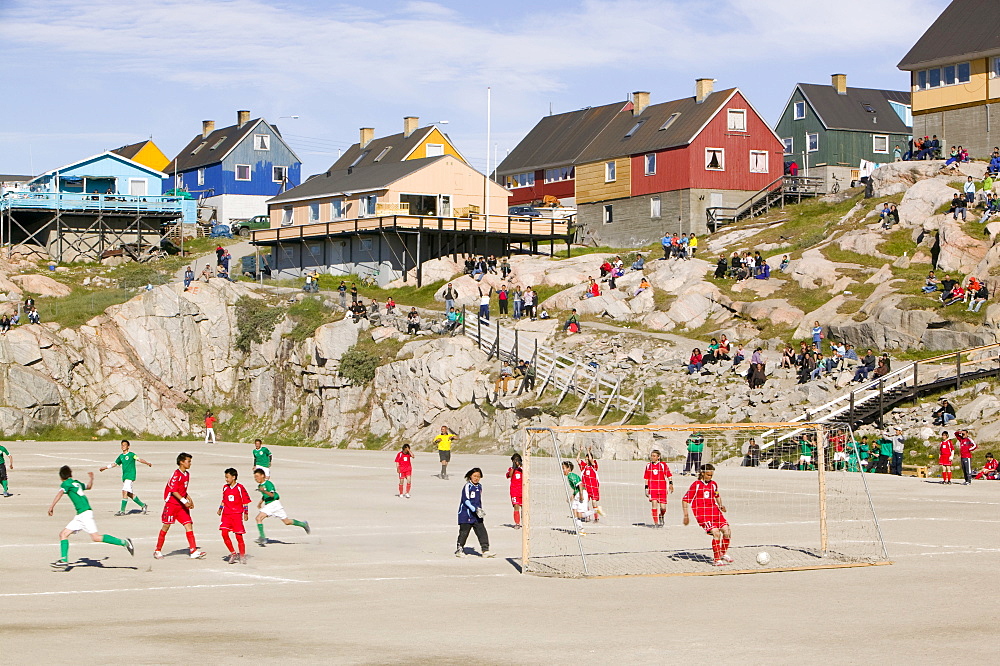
486,185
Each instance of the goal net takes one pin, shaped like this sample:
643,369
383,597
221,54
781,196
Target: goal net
795,497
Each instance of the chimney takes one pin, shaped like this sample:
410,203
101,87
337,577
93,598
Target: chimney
367,134
640,100
410,125
207,127
702,89
242,118
839,82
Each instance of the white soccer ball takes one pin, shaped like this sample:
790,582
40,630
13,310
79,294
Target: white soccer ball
763,558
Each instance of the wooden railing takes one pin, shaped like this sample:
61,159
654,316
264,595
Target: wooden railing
92,202
392,208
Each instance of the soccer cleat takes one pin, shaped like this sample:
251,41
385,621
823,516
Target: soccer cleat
129,547
460,552
489,553
244,558
407,495
8,494
145,509
305,526
727,558
719,563
120,513
197,554
157,555
260,541
60,564
233,558
599,510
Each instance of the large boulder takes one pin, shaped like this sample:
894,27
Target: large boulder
922,199
942,339
42,285
434,270
778,310
814,270
958,251
330,341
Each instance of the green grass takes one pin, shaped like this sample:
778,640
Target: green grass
897,242
82,305
308,315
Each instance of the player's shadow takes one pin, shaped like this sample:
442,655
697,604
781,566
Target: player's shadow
516,563
97,564
691,557
649,525
269,541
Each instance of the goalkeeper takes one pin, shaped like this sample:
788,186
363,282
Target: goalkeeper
471,514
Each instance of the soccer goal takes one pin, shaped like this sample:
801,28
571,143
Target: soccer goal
795,496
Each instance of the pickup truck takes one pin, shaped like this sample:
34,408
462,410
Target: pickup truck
244,227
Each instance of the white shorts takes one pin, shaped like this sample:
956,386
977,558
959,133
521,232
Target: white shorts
83,522
266,470
805,459
274,510
127,485
840,456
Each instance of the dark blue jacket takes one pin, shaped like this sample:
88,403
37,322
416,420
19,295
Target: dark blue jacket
472,499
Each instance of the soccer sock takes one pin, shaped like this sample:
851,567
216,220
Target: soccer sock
656,515
444,470
517,517
190,537
4,482
260,528
725,545
299,523
64,549
400,488
107,538
124,504
229,542
408,486
135,498
242,546
717,548
160,539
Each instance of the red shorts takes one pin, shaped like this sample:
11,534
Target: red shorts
658,496
594,492
715,523
405,473
947,462
233,522
175,513
515,500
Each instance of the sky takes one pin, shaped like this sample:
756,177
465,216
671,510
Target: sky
84,77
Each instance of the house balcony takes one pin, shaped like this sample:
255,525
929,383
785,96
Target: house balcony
121,204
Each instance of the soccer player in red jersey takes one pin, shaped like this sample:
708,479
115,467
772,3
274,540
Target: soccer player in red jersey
946,457
404,466
966,447
178,507
658,478
234,510
989,468
591,482
515,474
703,499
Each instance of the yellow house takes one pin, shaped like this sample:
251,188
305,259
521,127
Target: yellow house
413,143
955,77
146,153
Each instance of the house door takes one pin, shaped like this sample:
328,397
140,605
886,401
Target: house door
715,200
444,205
137,186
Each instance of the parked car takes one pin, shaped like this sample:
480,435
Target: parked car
244,227
523,211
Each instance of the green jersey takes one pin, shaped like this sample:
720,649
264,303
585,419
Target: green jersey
268,486
262,457
805,448
127,463
574,482
695,444
885,447
76,491
3,452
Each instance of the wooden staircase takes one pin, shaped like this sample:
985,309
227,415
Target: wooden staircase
787,189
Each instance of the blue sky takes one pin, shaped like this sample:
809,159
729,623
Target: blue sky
82,77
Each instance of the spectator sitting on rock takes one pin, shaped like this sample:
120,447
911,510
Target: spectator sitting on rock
606,268
994,167
783,267
971,287
724,347
528,372
692,245
866,366
358,312
947,286
504,268
756,375
883,367
720,267
592,289
992,207
470,265
931,284
944,414
957,207
638,264
695,361
953,157
4,324
452,320
788,357
390,305
884,213
956,294
738,356
491,264
735,264
850,355
207,273
643,285
837,356
478,270
712,355
506,374
617,266
412,322
981,296
572,323
806,367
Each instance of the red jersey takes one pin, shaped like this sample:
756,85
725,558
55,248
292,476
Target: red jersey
405,463
590,479
656,478
515,474
990,466
967,446
947,452
234,499
704,500
210,421
178,483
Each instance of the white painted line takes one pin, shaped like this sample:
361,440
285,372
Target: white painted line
257,576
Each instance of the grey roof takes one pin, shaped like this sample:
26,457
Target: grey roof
847,112
336,182
188,159
11,178
131,150
965,28
399,148
559,140
648,137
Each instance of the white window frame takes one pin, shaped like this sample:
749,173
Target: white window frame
287,216
284,174
559,174
767,161
880,137
789,144
262,142
519,180
610,172
608,214
923,77
336,209
649,160
732,114
438,149
236,172
809,142
655,212
722,158
796,106
314,211
201,177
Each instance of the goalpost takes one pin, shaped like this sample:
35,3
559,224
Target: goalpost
804,504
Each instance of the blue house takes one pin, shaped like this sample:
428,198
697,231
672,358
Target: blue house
235,169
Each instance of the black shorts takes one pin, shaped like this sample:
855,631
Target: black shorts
444,456
3,472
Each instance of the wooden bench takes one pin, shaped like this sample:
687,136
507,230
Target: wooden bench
919,471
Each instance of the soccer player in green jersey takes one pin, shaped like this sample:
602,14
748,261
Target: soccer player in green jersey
84,519
127,462
270,507
3,469
579,501
261,458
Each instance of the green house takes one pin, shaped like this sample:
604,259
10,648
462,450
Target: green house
829,130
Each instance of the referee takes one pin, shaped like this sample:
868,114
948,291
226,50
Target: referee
443,442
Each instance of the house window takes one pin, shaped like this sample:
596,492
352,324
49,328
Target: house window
650,164
934,78
198,147
880,144
949,78
444,205
314,212
262,142
558,175
521,180
996,68
366,244
435,149
922,80
336,209
201,176
286,216
669,121
609,172
382,154
799,111
867,107
279,174
964,72
242,172
609,214
368,204
654,207
715,159
758,161
789,145
736,120
813,141
634,128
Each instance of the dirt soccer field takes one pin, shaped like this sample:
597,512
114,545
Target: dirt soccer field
377,581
